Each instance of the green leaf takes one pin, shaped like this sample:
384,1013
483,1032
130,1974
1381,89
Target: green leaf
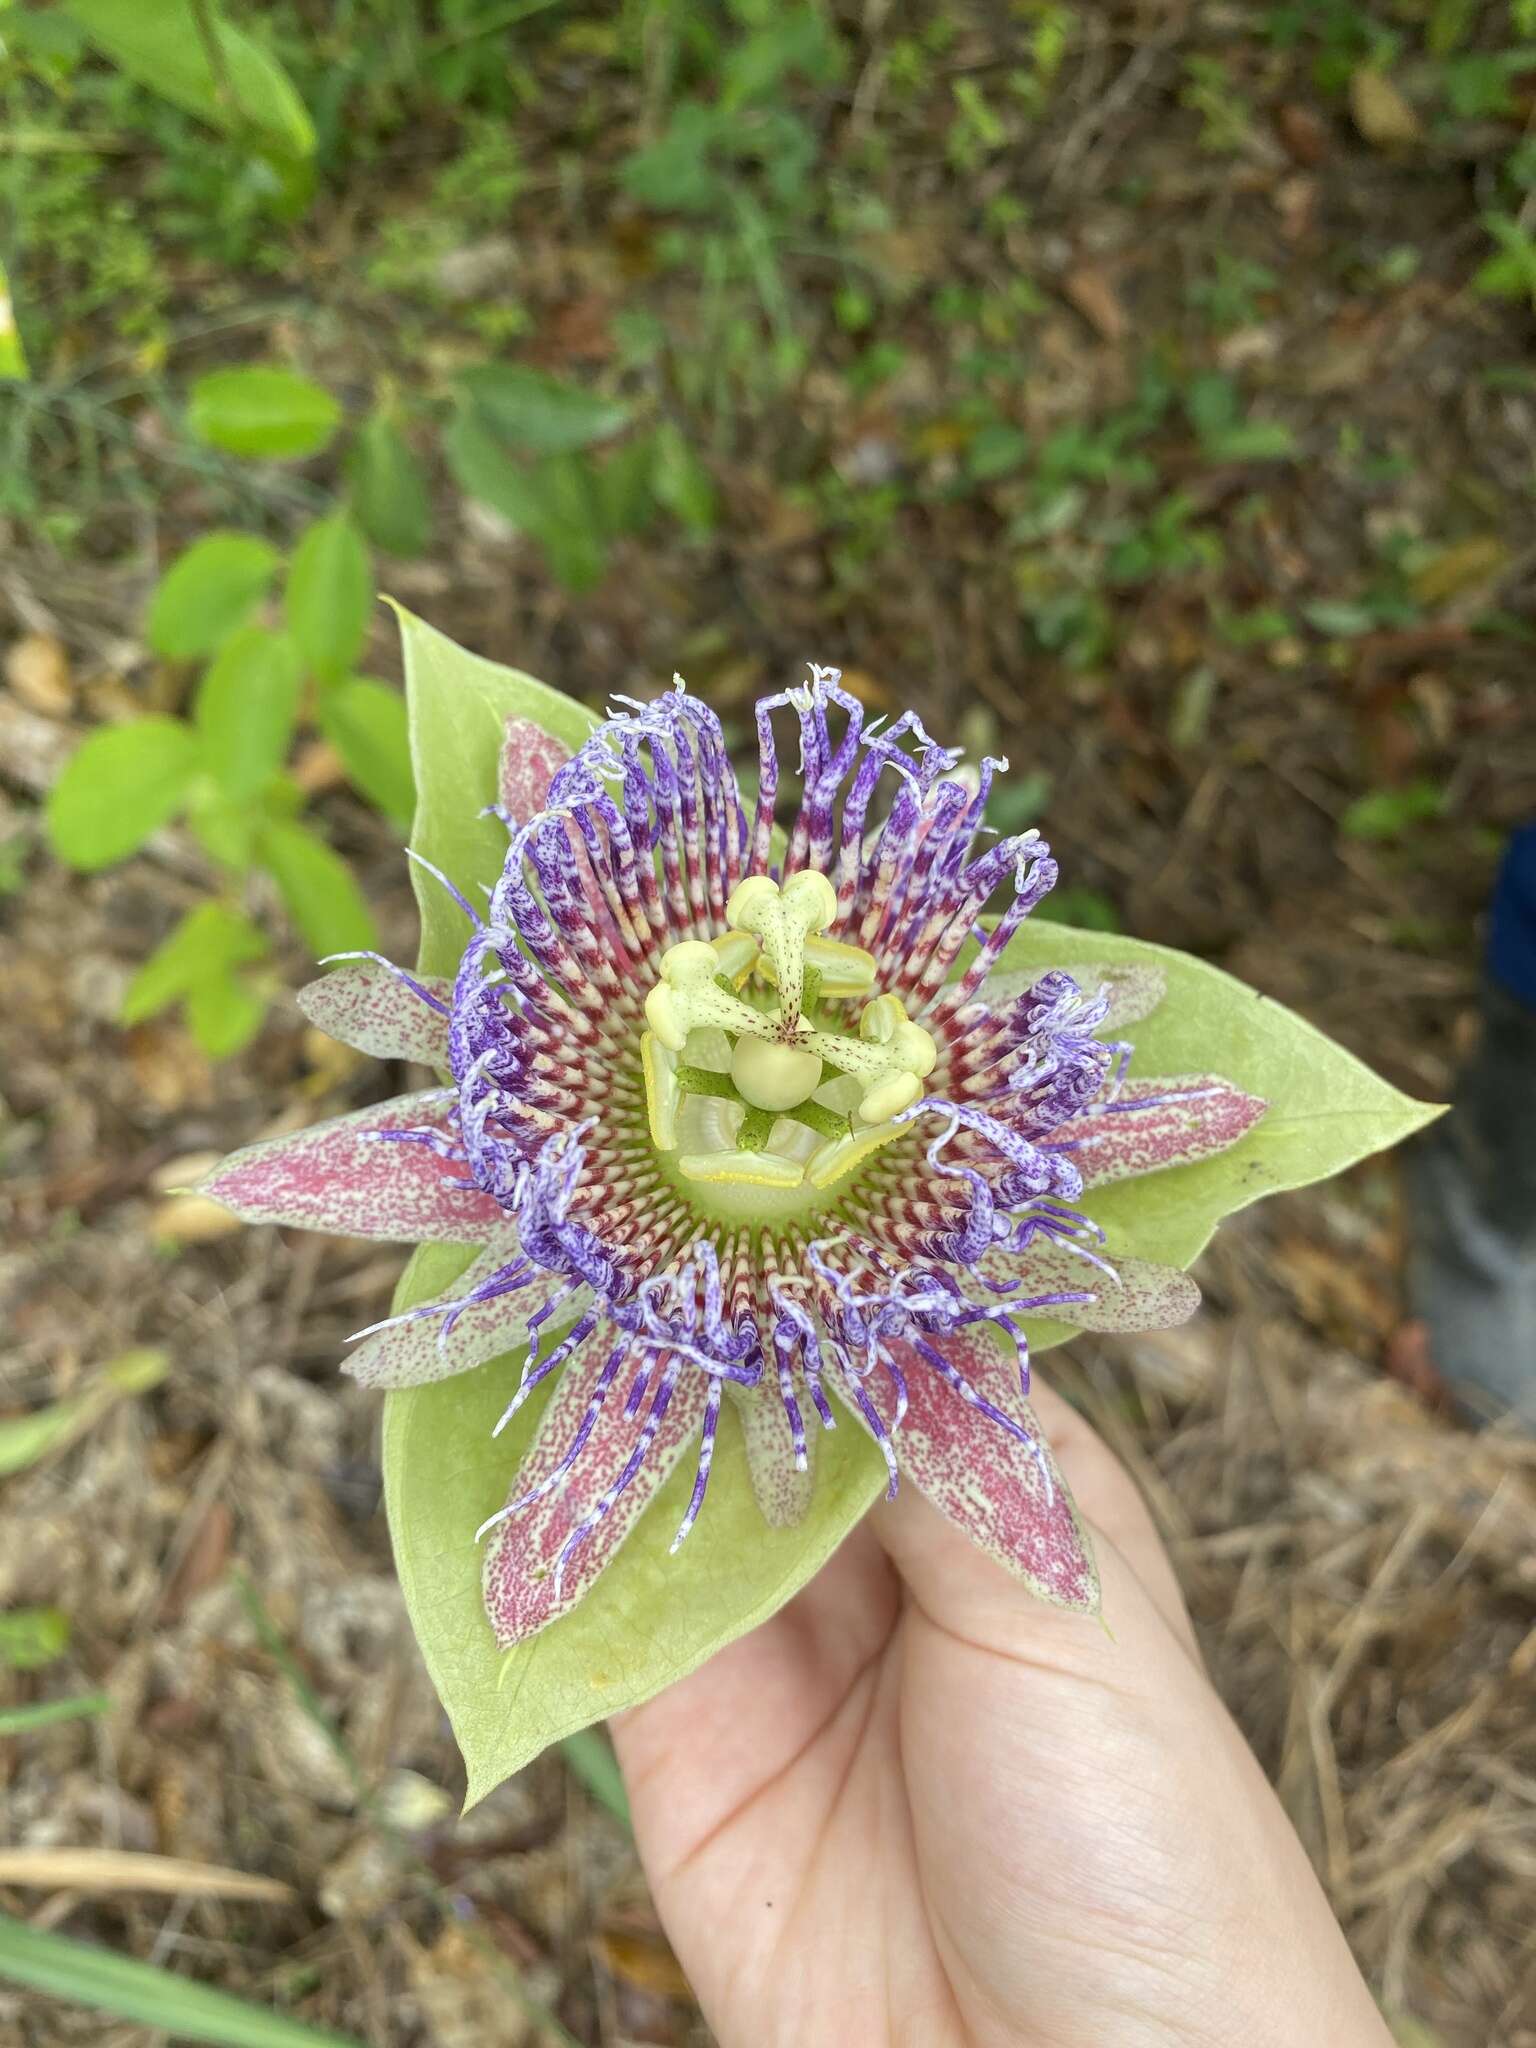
207,593
536,412
225,829
32,1637
649,1620
1326,1108
160,1999
318,887
571,520
1251,441
224,1014
365,721
235,85
1389,813
556,501
47,1713
1074,904
246,708
13,357
329,596
677,171
120,785
264,411
458,705
483,467
26,1438
1213,403
680,480
625,493
997,450
1339,616
207,945
389,488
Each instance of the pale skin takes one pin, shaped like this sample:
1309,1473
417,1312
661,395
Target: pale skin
919,1809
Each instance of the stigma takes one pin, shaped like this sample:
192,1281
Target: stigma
770,1061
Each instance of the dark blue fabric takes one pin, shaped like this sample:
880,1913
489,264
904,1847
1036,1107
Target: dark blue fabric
1512,919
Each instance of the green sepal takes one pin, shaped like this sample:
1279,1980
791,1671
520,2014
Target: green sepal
1326,1108
458,705
650,1618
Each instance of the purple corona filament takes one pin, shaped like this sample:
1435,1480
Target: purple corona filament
758,1129
641,842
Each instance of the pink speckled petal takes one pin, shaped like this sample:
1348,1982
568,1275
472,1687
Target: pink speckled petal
340,1177
413,1353
780,1491
1010,1502
1135,990
523,1551
367,1006
1201,1114
529,759
1139,1295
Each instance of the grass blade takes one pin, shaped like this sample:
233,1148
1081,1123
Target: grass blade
74,1970
21,1720
590,1759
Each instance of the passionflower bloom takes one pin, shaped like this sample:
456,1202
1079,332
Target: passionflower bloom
748,1117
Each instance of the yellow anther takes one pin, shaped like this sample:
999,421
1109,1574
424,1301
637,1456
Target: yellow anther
839,1156
844,970
747,1169
662,1094
880,1019
889,1049
889,1097
738,954
667,1017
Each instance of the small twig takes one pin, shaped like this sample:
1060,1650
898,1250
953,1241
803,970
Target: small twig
130,1870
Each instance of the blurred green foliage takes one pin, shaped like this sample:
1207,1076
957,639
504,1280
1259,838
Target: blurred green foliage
727,171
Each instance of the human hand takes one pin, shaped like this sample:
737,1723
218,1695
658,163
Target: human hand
918,1809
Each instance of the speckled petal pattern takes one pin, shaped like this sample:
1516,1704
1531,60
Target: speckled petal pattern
1009,1498
1134,992
780,1490
372,1007
355,1177
525,1588
415,1349
1185,1118
1134,1294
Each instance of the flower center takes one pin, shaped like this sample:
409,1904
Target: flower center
770,1063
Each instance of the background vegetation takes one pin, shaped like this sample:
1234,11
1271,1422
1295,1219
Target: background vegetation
1144,391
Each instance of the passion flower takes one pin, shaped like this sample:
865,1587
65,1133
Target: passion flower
750,1114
